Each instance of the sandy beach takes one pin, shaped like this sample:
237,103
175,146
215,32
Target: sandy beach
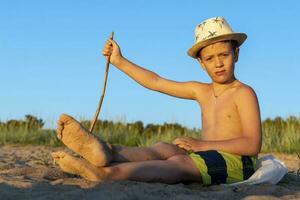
28,172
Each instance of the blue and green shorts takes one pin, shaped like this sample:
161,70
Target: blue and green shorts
217,167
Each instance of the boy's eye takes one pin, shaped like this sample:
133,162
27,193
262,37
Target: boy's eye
208,59
224,54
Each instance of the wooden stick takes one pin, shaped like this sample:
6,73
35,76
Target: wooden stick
93,122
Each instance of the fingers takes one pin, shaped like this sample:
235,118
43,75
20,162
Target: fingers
176,141
182,143
186,147
182,139
186,143
112,42
109,47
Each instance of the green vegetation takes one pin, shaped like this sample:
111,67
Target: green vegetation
279,135
28,131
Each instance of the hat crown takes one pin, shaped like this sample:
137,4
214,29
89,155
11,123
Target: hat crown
214,30
211,28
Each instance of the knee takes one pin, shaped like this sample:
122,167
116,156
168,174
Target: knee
180,159
113,172
186,166
160,145
182,162
167,148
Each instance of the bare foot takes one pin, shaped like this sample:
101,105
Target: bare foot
82,142
72,165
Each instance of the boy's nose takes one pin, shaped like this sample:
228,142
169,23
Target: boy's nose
218,63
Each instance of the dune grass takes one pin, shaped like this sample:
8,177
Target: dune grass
279,135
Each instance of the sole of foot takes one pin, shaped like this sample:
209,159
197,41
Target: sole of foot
82,142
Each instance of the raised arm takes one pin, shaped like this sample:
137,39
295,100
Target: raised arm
147,78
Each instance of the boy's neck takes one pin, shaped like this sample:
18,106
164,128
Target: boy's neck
219,88
229,83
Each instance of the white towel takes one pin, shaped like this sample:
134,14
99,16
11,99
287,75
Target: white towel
269,170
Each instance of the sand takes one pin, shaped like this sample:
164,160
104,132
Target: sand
28,172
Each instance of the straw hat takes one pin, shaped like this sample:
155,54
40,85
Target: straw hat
213,30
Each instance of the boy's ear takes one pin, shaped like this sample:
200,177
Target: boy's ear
201,63
236,54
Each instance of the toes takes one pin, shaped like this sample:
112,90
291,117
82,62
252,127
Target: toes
55,158
59,131
62,121
58,155
64,118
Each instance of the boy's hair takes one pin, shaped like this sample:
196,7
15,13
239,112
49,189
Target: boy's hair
234,45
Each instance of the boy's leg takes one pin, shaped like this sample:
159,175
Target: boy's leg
158,151
101,153
178,168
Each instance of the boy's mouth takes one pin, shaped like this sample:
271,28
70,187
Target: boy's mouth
220,73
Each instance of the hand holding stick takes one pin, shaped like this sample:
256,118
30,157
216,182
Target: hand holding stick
93,122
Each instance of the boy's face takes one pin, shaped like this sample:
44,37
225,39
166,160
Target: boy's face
218,60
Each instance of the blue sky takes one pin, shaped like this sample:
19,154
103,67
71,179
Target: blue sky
50,56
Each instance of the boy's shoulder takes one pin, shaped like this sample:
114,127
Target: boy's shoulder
244,95
244,89
241,88
240,92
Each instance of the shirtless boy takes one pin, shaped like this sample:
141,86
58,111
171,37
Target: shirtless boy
231,127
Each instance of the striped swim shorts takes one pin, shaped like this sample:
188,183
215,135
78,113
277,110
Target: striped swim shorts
217,167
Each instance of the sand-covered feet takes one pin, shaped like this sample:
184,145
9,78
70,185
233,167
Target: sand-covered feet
73,165
82,142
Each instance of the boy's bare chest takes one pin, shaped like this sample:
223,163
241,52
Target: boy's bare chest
220,118
220,111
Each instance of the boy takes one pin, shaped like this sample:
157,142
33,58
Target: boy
231,128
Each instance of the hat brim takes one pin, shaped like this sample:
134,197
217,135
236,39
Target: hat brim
239,37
